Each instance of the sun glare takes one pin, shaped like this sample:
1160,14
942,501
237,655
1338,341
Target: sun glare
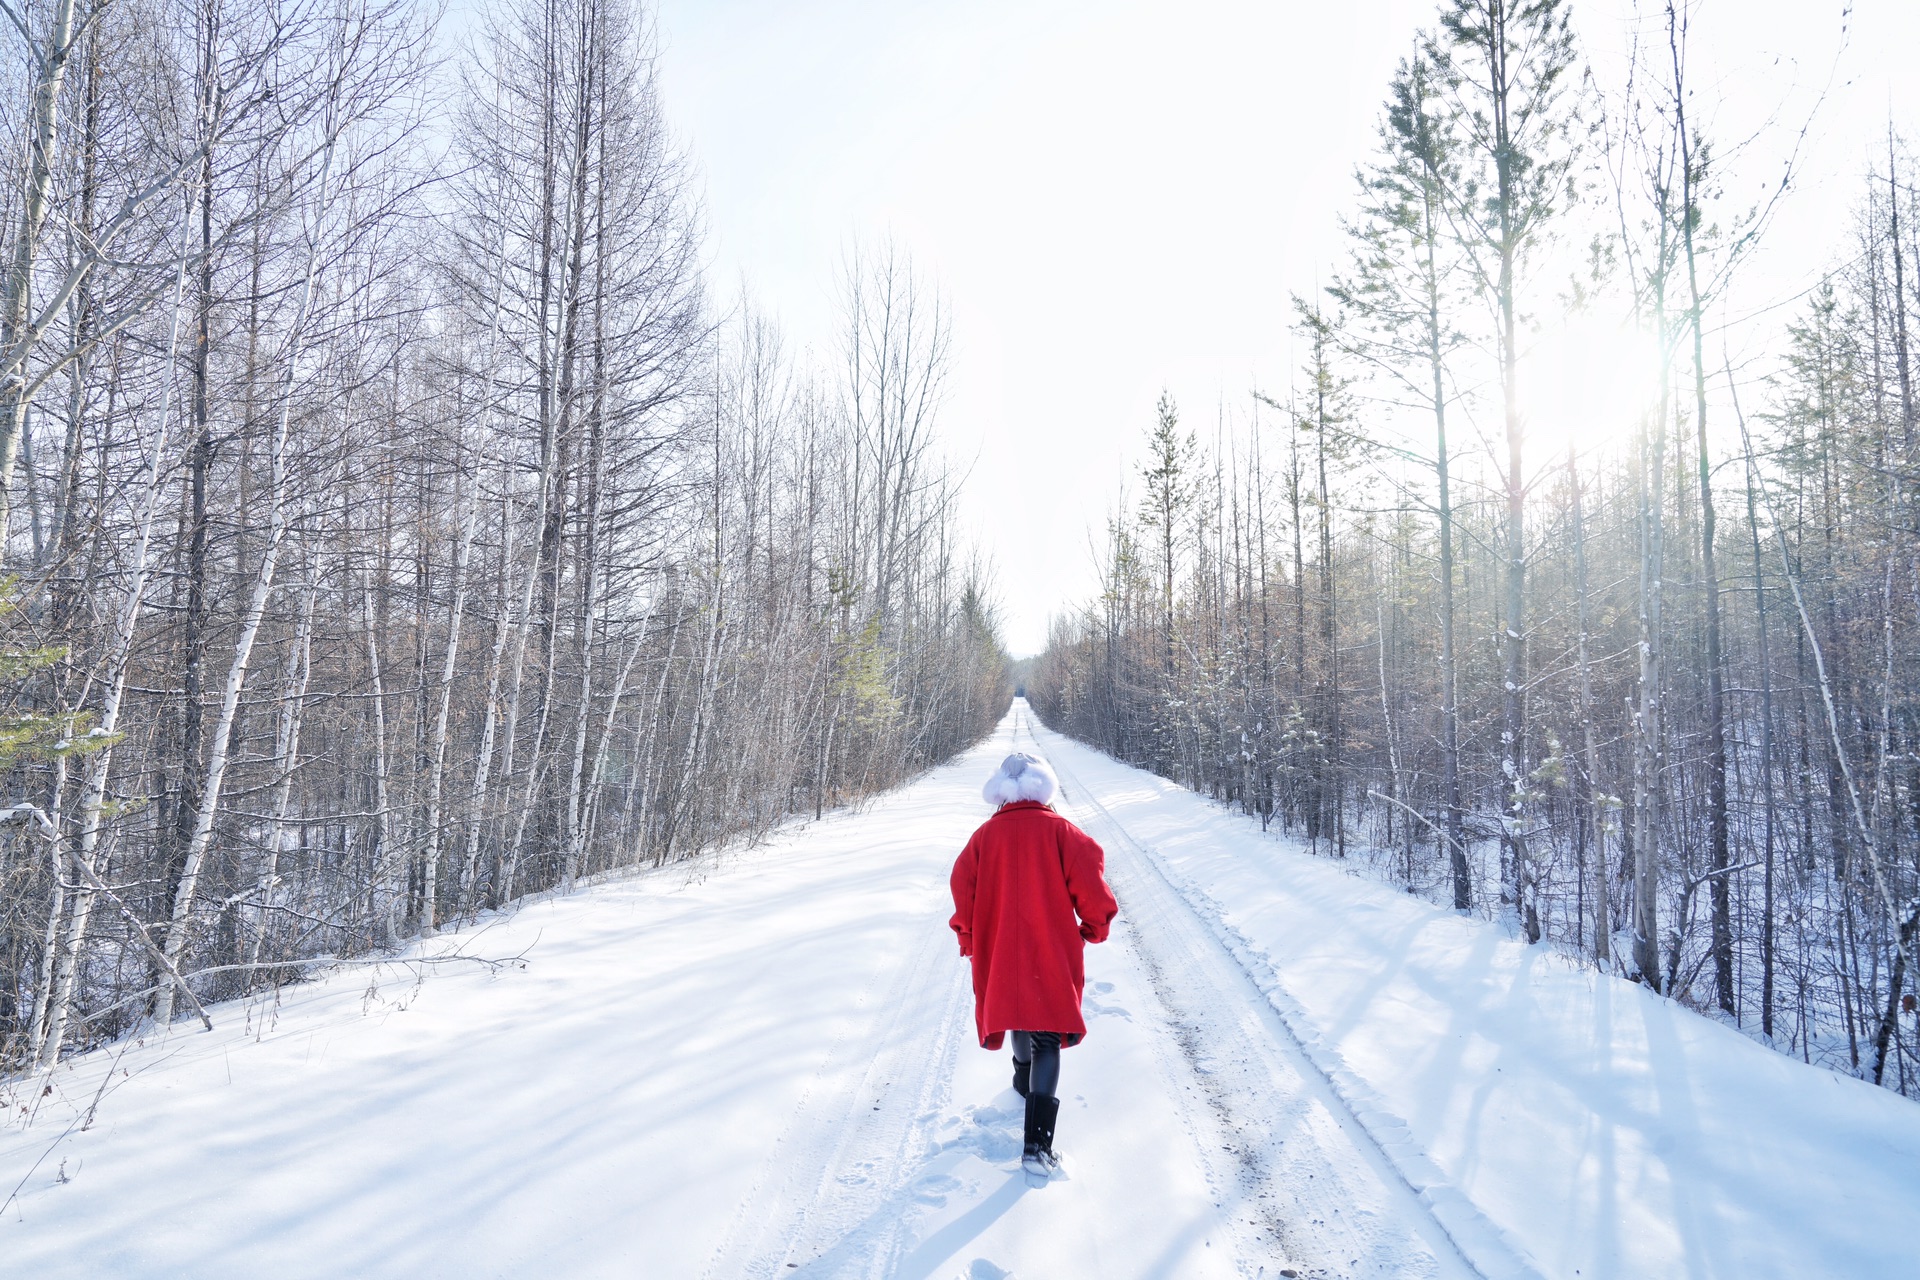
1587,381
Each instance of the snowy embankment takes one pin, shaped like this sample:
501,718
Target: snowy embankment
763,1066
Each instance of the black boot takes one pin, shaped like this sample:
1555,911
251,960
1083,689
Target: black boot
1021,1070
1037,1156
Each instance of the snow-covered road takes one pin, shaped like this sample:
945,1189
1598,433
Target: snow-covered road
763,1066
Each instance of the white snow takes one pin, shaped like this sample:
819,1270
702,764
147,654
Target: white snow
1560,1121
763,1066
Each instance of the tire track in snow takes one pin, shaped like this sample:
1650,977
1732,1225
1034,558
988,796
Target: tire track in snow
1265,1240
1201,950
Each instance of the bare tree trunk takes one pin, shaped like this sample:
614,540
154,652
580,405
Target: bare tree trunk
604,742
1398,792
506,857
219,747
186,800
1517,884
576,850
1589,748
717,626
1332,784
56,918
1718,858
43,136
1767,963
61,536
381,855
286,754
1449,669
437,743
644,817
1649,756
535,767
114,682
477,794
589,604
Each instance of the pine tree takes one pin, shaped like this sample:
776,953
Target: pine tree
1506,70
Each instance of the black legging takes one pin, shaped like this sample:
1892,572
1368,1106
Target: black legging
1042,1050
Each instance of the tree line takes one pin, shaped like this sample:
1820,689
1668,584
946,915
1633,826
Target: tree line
1650,693
396,524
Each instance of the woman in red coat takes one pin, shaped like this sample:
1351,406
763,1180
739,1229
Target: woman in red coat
1029,892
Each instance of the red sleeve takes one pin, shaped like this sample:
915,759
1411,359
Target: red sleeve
1086,865
962,883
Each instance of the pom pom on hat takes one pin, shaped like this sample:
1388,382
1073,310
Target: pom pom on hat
1021,777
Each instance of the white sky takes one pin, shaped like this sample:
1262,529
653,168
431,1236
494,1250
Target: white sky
1118,196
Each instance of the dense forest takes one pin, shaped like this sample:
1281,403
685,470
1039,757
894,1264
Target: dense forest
396,523
1647,690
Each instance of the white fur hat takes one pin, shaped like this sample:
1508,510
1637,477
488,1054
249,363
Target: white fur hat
1021,777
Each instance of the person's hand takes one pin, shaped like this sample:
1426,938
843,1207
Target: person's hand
1093,933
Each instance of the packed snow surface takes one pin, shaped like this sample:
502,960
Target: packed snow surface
762,1065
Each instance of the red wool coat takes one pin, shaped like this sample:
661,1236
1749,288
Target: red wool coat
1029,892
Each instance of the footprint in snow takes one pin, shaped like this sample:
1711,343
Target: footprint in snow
984,1270
933,1189
993,1135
